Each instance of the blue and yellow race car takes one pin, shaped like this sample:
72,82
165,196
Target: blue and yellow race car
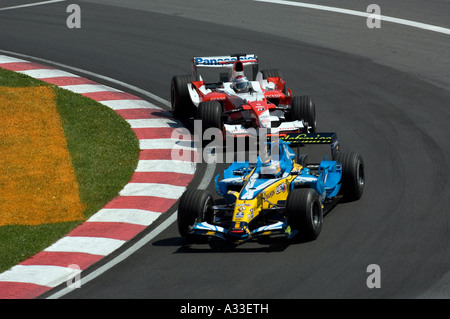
276,196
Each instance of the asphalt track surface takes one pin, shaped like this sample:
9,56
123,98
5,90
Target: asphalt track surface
386,92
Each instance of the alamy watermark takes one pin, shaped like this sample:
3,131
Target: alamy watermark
374,279
214,146
73,21
374,19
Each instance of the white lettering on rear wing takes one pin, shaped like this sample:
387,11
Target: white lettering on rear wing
224,61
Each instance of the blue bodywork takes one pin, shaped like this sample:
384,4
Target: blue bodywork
244,181
326,182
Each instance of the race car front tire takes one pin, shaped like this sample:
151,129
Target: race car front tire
304,213
271,73
193,204
210,112
182,105
304,108
353,180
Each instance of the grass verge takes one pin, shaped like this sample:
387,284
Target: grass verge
104,152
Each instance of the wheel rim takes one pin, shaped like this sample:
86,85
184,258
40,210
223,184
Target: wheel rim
315,215
173,97
208,204
360,176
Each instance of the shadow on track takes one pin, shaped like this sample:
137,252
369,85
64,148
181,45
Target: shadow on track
265,245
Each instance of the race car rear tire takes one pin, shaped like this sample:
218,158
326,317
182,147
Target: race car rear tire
304,213
210,112
304,108
182,105
193,204
353,179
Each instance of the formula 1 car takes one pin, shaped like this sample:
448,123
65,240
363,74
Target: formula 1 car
235,104
273,198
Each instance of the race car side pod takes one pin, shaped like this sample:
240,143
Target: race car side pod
301,139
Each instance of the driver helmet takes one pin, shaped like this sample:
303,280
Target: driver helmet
271,169
241,84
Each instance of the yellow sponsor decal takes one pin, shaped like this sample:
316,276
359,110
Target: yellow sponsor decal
319,138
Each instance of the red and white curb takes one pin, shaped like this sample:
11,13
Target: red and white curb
154,187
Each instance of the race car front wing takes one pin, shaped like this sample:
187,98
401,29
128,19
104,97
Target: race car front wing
241,233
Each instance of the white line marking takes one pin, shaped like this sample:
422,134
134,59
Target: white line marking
153,189
409,23
125,215
172,166
167,144
47,73
152,123
208,176
9,59
43,275
91,245
129,104
31,5
88,88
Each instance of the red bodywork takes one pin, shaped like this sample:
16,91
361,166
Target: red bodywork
272,98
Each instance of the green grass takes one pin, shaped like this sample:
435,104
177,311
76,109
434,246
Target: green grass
104,152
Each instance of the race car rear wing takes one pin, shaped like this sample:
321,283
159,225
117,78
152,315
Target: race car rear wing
226,61
301,139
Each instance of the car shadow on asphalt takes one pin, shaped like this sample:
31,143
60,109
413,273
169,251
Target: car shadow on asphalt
219,246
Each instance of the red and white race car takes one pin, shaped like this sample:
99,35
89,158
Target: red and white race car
235,104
